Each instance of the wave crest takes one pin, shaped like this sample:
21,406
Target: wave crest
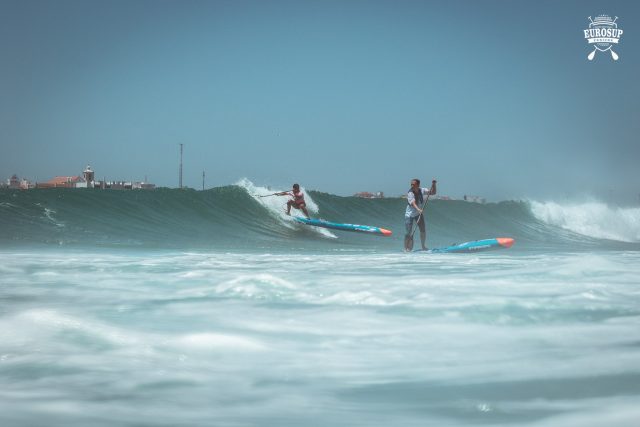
592,219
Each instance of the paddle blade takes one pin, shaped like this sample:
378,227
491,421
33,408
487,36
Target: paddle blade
614,55
591,55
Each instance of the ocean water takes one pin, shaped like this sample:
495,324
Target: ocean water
185,308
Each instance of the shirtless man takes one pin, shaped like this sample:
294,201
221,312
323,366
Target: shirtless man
297,201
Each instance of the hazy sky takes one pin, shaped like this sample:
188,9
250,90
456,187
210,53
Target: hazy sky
492,98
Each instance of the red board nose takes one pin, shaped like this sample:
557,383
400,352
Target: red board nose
507,242
385,232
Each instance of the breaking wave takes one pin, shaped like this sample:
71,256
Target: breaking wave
244,217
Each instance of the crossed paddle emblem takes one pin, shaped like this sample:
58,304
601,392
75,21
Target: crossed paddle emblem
603,32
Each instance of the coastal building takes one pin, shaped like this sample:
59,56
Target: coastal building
124,185
14,182
18,184
143,186
474,199
367,195
89,177
63,182
86,180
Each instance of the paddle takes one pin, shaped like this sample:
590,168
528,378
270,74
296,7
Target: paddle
409,240
409,243
280,193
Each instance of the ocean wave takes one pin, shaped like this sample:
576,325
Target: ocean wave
592,219
238,217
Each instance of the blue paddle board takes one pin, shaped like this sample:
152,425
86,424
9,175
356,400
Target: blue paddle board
474,246
344,227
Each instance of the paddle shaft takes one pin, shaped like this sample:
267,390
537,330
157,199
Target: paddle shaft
422,211
275,194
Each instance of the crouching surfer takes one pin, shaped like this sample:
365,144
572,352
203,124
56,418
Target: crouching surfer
414,212
297,200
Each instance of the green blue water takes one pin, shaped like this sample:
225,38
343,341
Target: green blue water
233,218
213,308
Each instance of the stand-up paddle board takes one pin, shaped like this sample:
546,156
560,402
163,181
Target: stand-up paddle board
474,246
344,227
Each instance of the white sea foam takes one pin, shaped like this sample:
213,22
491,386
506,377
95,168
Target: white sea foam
530,339
53,322
593,219
213,341
277,205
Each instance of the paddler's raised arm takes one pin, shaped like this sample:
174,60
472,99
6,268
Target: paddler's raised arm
432,190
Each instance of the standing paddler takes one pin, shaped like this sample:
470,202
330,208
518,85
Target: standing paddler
414,212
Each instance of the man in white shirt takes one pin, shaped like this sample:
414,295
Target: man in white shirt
415,204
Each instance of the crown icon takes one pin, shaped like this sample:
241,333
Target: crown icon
603,20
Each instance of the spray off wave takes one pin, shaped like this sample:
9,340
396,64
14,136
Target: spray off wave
592,219
277,205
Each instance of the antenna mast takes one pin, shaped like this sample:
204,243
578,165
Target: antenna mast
180,183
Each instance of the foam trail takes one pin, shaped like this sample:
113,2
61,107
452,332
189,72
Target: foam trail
48,213
277,205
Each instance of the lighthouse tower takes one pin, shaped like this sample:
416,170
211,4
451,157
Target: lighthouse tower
89,176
